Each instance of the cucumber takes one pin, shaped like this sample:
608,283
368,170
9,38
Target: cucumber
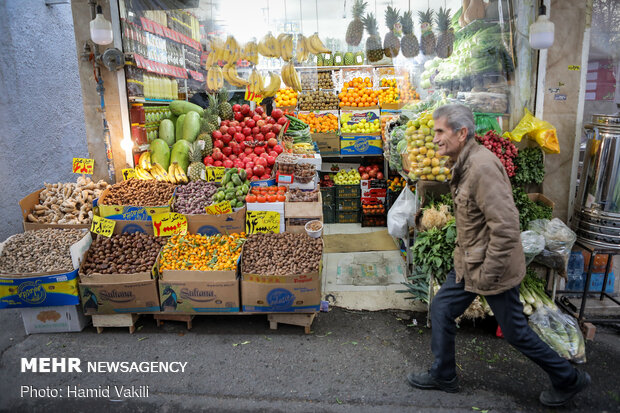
180,107
166,131
235,180
179,127
225,178
191,126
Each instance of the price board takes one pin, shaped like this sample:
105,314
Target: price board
129,173
215,173
83,166
169,223
219,208
102,226
262,222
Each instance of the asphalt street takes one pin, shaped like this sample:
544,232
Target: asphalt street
351,362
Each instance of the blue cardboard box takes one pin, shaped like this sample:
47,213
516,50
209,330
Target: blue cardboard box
361,145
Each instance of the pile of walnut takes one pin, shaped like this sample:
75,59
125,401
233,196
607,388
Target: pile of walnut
70,203
45,250
281,254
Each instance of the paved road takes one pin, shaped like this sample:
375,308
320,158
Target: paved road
352,362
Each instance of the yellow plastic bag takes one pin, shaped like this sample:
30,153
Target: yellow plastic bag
541,131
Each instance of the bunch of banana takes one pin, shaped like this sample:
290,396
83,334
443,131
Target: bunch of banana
145,161
256,83
302,53
274,85
269,46
231,76
315,45
286,46
232,50
291,77
249,52
142,173
215,78
159,173
176,174
217,51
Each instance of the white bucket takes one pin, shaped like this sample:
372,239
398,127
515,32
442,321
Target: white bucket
311,233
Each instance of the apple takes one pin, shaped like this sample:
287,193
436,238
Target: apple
233,123
227,138
271,141
259,137
242,124
239,164
277,113
250,114
246,131
238,116
261,123
250,123
249,172
208,160
225,122
228,163
264,155
239,137
265,176
255,130
258,150
249,138
259,110
242,155
227,150
254,178
261,161
245,109
379,175
271,160
217,154
278,149
236,150
252,156
373,173
365,176
259,170
282,121
232,157
223,130
217,163
236,107
273,154
276,128
361,170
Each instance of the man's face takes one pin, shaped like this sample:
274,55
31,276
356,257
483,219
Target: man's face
450,142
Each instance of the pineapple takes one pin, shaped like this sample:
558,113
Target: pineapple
355,30
211,113
427,40
445,40
207,149
207,127
349,59
409,44
196,169
391,43
224,108
374,49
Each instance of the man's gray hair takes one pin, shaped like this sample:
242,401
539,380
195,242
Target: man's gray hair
457,116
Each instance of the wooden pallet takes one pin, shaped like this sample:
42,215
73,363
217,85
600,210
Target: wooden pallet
160,318
301,319
115,320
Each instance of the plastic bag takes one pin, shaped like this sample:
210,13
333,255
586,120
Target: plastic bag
533,244
561,332
541,131
486,122
402,214
559,240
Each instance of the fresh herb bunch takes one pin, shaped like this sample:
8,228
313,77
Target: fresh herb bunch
433,250
530,167
528,210
417,286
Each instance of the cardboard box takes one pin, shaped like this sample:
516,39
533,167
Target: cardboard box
131,227
199,291
297,214
27,205
392,106
373,188
281,293
269,206
232,223
119,293
61,319
428,190
312,160
328,143
44,289
127,212
361,145
536,197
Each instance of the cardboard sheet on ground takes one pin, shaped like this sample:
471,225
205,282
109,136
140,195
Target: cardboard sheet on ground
370,268
371,241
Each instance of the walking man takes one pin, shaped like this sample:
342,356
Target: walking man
488,260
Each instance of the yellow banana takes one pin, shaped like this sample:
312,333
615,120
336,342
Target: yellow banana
272,44
301,54
287,47
218,45
171,176
252,52
286,75
142,160
295,78
316,45
262,48
180,175
233,76
274,85
156,173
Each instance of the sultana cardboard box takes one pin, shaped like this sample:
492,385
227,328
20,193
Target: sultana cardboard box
44,289
199,291
27,206
61,319
127,212
232,223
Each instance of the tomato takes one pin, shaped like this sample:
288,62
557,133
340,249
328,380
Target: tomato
281,197
261,198
272,198
250,199
255,191
281,192
273,189
282,188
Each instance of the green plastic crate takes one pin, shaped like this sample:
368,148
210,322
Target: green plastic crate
347,191
347,217
329,195
348,204
329,214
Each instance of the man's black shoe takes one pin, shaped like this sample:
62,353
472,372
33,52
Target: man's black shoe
556,397
427,382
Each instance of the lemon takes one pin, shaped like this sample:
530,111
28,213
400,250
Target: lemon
419,143
426,162
428,139
425,130
435,170
430,145
423,150
419,158
426,170
415,151
431,123
440,177
434,161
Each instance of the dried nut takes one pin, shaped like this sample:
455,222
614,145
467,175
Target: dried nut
281,254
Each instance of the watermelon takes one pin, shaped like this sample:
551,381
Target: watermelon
160,153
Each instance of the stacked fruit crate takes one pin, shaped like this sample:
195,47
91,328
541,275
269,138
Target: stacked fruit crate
347,203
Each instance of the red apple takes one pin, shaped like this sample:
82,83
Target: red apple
228,163
218,143
379,175
242,155
232,157
365,176
259,170
248,151
265,129
264,155
255,130
252,156
208,160
373,173
256,118
361,170
249,138
246,131
239,164
225,122
227,138
282,121
261,161
265,176
271,120
242,124
269,136
250,114
217,163
277,113
223,130
239,137
261,123
258,110
249,172
249,164
276,128
233,123
273,154
254,178
236,107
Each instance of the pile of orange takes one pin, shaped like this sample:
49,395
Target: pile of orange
195,252
389,91
286,97
407,91
320,124
358,93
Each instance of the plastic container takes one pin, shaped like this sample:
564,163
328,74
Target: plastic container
575,270
314,233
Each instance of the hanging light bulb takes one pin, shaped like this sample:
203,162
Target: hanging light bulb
101,29
542,31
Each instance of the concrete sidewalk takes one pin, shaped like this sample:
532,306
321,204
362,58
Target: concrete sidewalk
352,362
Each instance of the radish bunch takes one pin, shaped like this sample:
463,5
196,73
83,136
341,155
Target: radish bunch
503,148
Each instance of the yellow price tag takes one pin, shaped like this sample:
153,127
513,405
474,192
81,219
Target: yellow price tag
574,67
219,208
169,223
215,173
128,174
252,97
102,226
262,222
83,166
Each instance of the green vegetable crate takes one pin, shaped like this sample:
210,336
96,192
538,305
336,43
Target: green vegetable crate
347,191
347,217
329,214
348,204
329,195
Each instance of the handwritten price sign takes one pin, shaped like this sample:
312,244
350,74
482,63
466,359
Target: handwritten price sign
169,223
83,166
219,208
252,97
215,173
102,226
262,222
128,174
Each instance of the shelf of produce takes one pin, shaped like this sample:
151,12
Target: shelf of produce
150,101
350,156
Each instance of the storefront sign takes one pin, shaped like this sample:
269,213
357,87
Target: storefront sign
128,174
102,226
262,222
219,208
215,173
252,97
83,166
169,223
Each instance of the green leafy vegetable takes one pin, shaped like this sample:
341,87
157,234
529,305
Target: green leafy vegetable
530,166
528,210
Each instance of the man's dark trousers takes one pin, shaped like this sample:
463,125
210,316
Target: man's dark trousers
452,300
